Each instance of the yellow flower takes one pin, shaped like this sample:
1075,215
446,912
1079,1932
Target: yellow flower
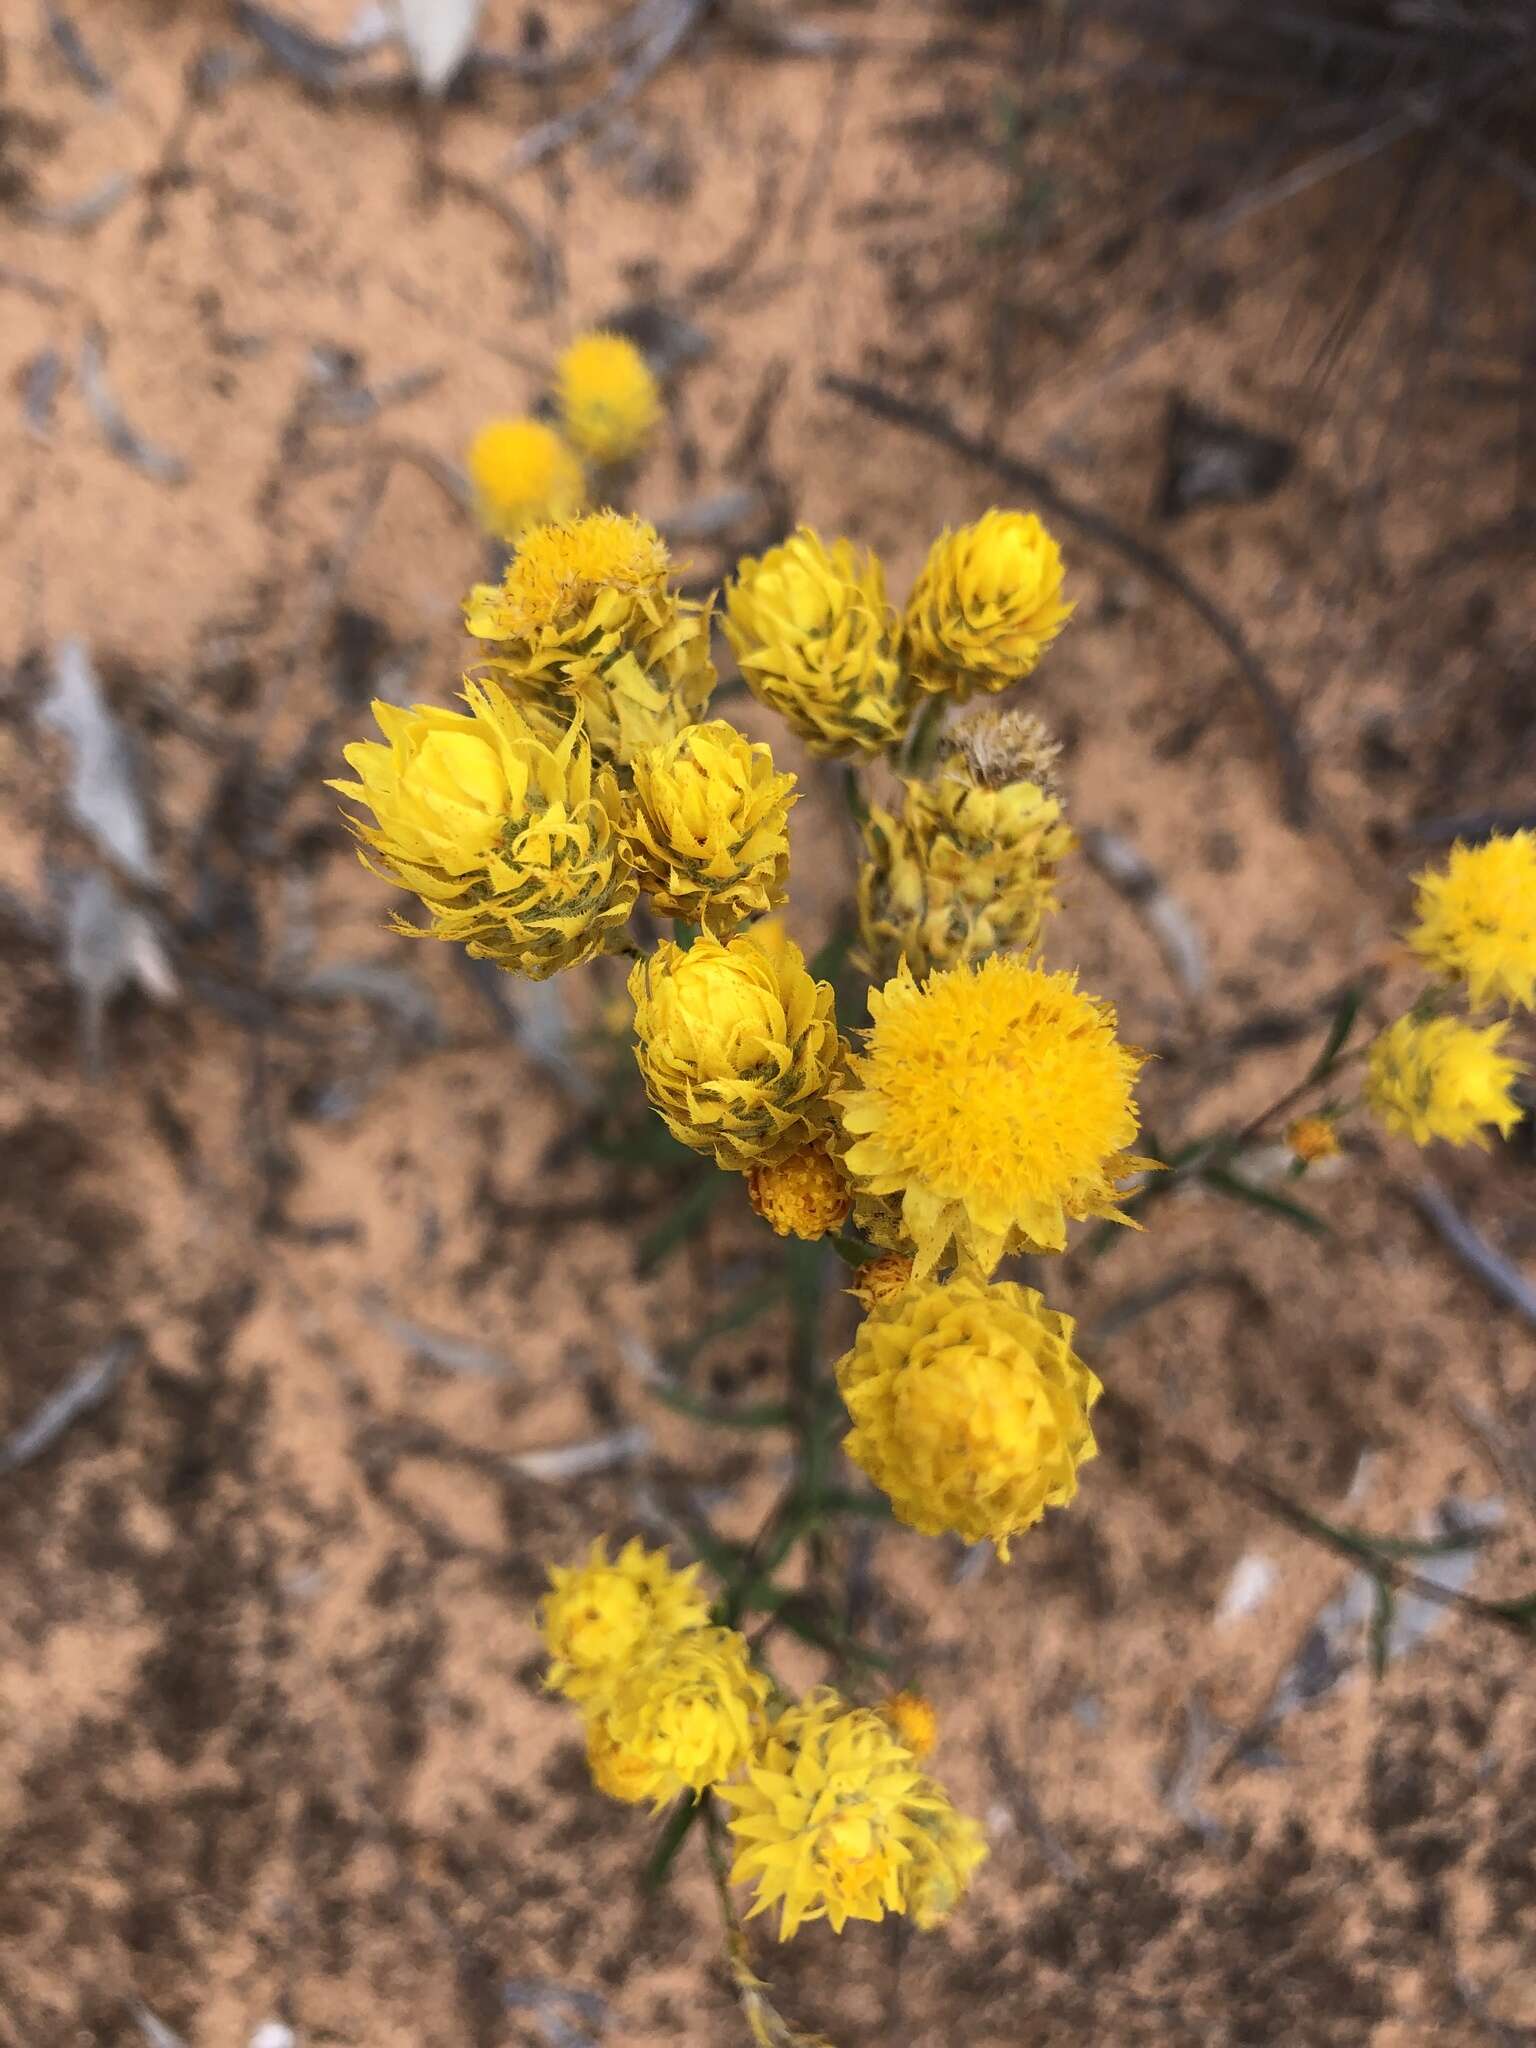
683,1716
828,1820
968,869
1312,1138
805,1195
522,472
737,1047
995,1102
1441,1078
881,1279
608,397
708,827
913,1721
597,1617
502,826
584,616
969,1407
985,608
948,1849
813,633
1477,920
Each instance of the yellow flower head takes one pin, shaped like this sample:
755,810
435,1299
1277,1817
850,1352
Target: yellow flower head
680,1717
945,1856
608,397
913,1721
995,1102
967,869
737,1046
813,633
584,616
521,473
827,1823
985,608
1477,920
969,1407
708,827
597,1618
502,826
1441,1078
881,1279
1312,1138
805,1195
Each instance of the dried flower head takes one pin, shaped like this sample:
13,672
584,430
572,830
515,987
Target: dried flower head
913,1721
1438,1077
1477,920
737,1047
707,827
814,635
996,1103
827,1821
805,1195
993,748
503,827
598,1617
584,616
969,1407
683,1715
522,472
881,1279
986,606
608,397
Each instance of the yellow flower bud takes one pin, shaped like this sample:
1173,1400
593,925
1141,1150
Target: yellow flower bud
813,633
608,397
708,827
913,1721
986,606
521,473
1312,1138
737,1047
502,826
1438,1077
881,1279
803,1196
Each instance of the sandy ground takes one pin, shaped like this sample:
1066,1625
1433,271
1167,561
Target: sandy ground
272,1745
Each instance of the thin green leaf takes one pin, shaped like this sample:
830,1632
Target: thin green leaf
1383,1609
853,796
1226,1182
852,1253
1338,1033
828,963
658,1864
1522,1610
686,1216
873,1507
746,1309
721,1414
825,1635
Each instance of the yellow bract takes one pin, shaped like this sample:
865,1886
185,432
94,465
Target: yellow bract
803,1196
679,1718
708,827
608,397
814,636
995,1103
1477,920
503,827
969,1407
737,1047
985,608
597,1617
1438,1077
522,472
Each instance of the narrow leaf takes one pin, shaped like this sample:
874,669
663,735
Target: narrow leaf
1229,1183
672,1837
1338,1032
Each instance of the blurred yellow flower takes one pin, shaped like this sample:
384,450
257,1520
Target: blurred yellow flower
737,1047
804,1196
1438,1077
1312,1138
913,1721
522,472
597,1617
708,827
814,635
608,397
1477,920
682,1716
995,1102
969,1407
985,607
946,1853
502,826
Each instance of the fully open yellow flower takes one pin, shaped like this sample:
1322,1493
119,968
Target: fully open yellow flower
737,1046
682,1716
608,396
969,1406
986,606
522,472
598,1617
995,1102
503,827
804,1196
1438,1077
584,617
708,827
1477,919
828,1821
814,635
